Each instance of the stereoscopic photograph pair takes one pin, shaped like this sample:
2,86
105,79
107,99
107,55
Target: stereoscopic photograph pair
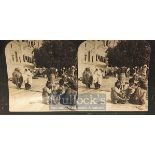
77,77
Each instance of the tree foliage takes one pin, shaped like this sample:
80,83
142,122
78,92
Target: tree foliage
57,53
129,53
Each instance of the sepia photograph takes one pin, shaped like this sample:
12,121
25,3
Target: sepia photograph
116,69
77,75
42,75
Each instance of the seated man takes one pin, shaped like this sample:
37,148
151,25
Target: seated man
131,88
116,95
139,96
69,97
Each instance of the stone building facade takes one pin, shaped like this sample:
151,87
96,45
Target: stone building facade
93,54
19,54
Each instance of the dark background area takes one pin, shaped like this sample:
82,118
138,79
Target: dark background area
4,92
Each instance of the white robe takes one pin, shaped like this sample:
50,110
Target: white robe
27,76
97,77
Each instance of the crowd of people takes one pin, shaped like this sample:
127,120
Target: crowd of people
90,78
131,85
134,91
22,79
61,87
128,71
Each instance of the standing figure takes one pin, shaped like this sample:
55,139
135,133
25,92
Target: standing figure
121,79
115,71
144,72
51,75
87,77
46,94
73,71
28,79
17,78
128,72
97,78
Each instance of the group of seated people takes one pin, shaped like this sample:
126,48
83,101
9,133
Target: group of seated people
63,92
134,92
